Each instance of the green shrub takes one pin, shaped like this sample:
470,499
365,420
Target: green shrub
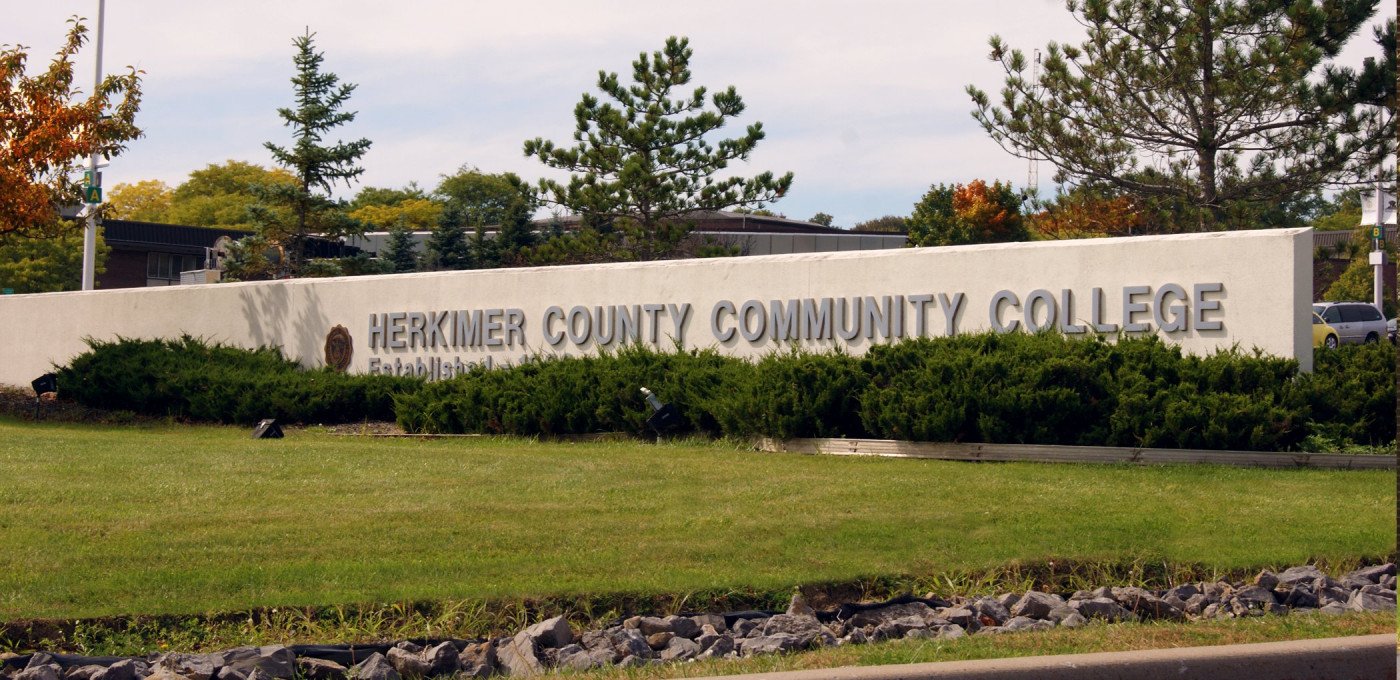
573,395
190,378
1351,394
794,394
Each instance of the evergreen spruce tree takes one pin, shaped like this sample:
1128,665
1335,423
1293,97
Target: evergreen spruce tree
1208,105
317,166
400,250
447,246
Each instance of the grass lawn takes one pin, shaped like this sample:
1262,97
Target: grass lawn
122,520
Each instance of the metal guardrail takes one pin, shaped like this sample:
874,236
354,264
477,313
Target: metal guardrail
1074,454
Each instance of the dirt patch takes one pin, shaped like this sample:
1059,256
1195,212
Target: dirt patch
19,403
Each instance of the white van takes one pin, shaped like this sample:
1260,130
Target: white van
1356,322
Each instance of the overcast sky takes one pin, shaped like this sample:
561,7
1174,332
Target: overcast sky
864,101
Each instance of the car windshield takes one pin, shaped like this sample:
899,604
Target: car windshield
1317,309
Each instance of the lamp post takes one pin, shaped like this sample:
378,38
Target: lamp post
90,231
1378,255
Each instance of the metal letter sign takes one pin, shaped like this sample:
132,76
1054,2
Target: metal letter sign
92,195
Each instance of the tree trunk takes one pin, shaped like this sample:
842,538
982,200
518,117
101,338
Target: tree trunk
1206,145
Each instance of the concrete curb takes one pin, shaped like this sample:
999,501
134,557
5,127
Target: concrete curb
1347,658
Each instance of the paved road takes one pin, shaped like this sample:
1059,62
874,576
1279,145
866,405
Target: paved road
1350,658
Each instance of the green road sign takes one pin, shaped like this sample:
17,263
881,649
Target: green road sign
92,195
1376,231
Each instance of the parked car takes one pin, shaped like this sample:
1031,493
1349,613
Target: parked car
1390,330
1323,335
1355,322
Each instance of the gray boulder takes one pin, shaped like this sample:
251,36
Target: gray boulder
1300,596
628,642
651,625
575,657
275,661
126,669
227,673
767,644
658,641
992,609
713,620
1145,604
1183,592
951,632
680,649
875,617
519,657
1266,579
1293,576
1256,597
1036,605
191,666
1372,574
408,664
443,659
685,626
1020,623
1102,608
44,671
718,648
554,632
319,669
82,672
961,616
376,667
477,660
805,629
743,627
1372,599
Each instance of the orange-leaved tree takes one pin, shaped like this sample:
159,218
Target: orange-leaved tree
1082,213
47,131
950,215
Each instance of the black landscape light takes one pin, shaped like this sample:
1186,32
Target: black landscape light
267,428
664,417
44,384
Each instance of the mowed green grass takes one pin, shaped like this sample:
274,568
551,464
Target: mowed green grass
110,520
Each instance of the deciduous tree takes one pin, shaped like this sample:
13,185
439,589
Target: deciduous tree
1209,103
950,215
643,157
47,131
222,194
148,200
47,265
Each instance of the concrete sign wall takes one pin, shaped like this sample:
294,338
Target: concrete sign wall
1202,291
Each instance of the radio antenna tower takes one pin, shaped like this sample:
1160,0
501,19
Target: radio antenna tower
1033,165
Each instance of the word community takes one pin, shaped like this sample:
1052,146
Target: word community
1168,308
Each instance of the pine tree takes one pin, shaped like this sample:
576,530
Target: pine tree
642,159
1210,104
400,250
447,246
317,166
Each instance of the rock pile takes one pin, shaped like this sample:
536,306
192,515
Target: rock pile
641,640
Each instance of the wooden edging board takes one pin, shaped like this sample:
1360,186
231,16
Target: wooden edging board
1040,453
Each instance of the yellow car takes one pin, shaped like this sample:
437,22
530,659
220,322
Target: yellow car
1323,335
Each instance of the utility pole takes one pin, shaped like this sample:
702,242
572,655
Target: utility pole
92,193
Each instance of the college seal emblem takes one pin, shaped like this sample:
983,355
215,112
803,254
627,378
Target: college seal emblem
339,348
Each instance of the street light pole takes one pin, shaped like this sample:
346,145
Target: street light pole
1378,259
90,231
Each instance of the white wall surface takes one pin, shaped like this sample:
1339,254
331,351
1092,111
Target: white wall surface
1264,277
